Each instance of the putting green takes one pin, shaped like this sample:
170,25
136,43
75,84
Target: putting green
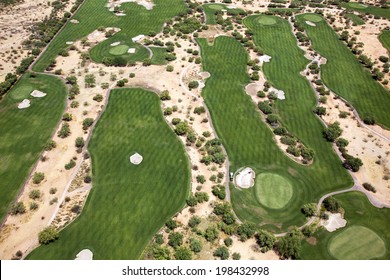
22,92
119,50
313,18
356,243
357,5
267,20
216,7
272,190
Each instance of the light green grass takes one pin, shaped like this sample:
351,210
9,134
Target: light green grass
267,20
272,190
216,7
344,75
24,133
128,204
359,213
367,9
211,9
313,18
137,21
384,37
159,54
355,19
249,141
119,50
357,243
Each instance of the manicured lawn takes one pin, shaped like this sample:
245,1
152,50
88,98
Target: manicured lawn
159,54
20,144
366,235
211,9
357,243
313,18
384,37
119,50
346,76
272,190
267,20
355,19
367,9
137,21
247,139
128,203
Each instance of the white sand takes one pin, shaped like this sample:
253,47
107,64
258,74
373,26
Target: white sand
148,4
223,10
245,178
37,93
120,14
280,94
334,222
84,255
201,84
310,23
24,104
264,58
74,21
69,42
115,44
231,7
131,50
136,159
138,38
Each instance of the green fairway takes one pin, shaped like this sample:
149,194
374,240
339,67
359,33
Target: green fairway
367,9
249,141
137,21
119,50
384,37
313,18
20,144
366,235
211,9
128,204
267,20
344,75
159,54
355,19
272,190
357,243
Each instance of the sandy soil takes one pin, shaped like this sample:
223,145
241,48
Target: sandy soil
14,21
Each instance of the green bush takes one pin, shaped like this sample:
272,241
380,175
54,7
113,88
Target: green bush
64,131
38,177
34,194
70,164
17,208
87,123
48,235
222,252
175,239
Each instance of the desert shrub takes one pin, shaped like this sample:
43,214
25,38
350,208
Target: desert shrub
17,208
67,117
87,123
369,120
183,253
199,110
33,206
246,230
369,187
50,145
195,245
87,179
193,84
79,142
280,131
48,235
332,132
165,95
38,177
98,98
219,191
342,143
289,246
265,107
76,209
194,221
288,140
266,240
236,256
171,224
228,242
211,233
70,164
222,252
64,131
201,197
53,190
319,110
352,163
175,239
34,194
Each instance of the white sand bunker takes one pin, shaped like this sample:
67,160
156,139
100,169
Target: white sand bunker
131,50
84,255
115,44
148,4
69,42
138,38
74,21
201,84
280,94
334,222
37,93
24,104
246,178
120,14
264,58
204,74
231,7
310,23
136,159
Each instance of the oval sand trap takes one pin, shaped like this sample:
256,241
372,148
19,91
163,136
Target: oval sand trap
313,18
356,243
267,20
216,7
273,190
119,50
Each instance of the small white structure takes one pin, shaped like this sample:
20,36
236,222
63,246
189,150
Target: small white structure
115,44
246,178
138,38
74,21
24,104
84,255
264,58
38,94
69,42
334,222
310,23
131,50
136,159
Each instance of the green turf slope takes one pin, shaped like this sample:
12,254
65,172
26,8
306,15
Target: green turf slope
367,9
346,76
384,37
249,142
367,232
94,14
20,144
128,203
